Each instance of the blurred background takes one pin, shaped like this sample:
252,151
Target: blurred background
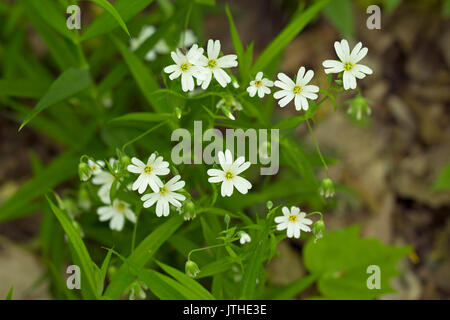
389,166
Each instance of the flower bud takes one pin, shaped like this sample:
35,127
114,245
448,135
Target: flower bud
124,161
358,108
318,229
326,188
84,171
189,210
227,219
178,113
192,269
269,204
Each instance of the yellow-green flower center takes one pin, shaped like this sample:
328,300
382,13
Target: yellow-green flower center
228,175
212,64
148,169
163,191
120,207
184,67
297,89
258,83
348,66
293,218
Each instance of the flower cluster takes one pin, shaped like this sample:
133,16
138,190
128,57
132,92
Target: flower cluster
194,64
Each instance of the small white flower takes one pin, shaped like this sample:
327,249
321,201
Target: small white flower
260,85
229,175
348,63
293,221
116,213
244,238
300,91
189,38
148,173
96,166
160,47
215,65
164,196
186,67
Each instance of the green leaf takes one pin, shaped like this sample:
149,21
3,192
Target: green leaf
161,285
23,88
254,266
142,254
291,290
286,36
339,13
195,287
238,47
290,122
105,23
142,117
79,248
341,258
443,180
108,7
10,293
68,84
143,76
59,170
101,276
216,267
52,13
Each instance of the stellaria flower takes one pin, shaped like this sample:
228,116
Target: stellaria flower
299,91
348,62
229,175
148,173
293,221
116,214
260,85
164,196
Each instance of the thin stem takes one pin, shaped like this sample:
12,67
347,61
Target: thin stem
205,248
143,134
317,146
133,239
315,212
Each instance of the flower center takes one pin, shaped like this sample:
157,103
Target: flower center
212,64
120,207
348,66
258,83
297,89
184,67
228,175
293,218
163,191
148,169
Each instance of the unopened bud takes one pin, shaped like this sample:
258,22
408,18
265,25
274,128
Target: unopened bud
84,171
192,269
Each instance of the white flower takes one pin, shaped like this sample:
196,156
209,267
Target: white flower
293,221
148,173
186,66
189,39
96,166
105,180
160,47
164,196
348,63
300,91
260,86
244,238
214,65
116,213
229,175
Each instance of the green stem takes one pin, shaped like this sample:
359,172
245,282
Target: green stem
315,212
133,239
317,146
205,248
143,134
